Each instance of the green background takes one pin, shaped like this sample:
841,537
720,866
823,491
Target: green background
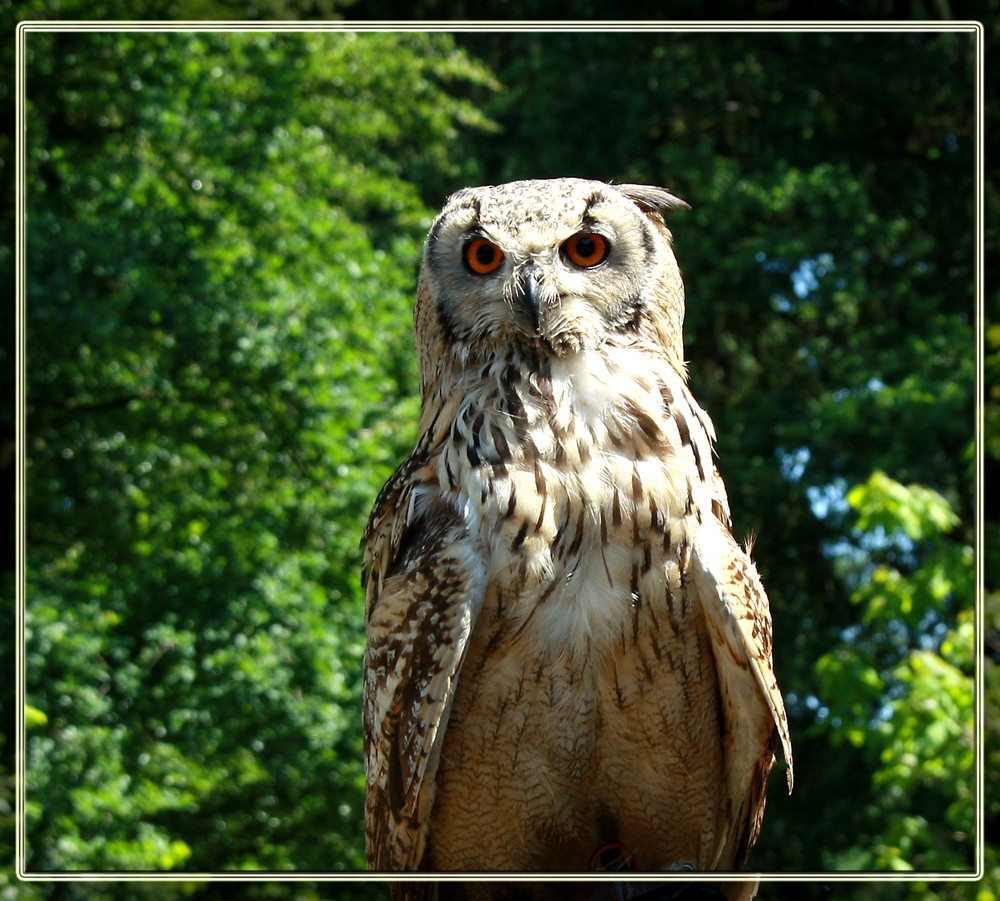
223,232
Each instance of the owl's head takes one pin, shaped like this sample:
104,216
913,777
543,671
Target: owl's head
551,266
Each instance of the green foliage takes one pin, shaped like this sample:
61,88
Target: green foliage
901,690
883,504
221,266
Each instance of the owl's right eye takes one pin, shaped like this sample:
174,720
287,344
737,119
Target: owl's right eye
481,256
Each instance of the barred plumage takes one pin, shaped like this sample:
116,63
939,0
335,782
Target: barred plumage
566,646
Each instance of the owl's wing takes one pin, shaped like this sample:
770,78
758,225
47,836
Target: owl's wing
424,593
739,626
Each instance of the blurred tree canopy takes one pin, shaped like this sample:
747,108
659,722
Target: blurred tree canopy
222,238
223,231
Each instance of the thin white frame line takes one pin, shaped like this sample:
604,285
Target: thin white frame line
92,26
486,26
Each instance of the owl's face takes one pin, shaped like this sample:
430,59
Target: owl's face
560,266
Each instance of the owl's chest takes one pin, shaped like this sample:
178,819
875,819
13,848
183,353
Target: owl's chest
581,485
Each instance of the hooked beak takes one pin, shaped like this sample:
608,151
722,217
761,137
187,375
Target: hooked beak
531,291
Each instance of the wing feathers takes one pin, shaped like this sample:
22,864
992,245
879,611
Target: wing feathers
419,622
739,623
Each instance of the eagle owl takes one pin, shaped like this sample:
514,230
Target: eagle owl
567,651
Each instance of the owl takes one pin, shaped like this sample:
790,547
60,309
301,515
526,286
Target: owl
568,655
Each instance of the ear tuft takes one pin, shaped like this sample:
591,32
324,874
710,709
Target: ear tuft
651,199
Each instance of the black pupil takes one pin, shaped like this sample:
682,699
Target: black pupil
586,247
485,254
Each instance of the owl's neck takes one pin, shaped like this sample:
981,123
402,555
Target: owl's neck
617,398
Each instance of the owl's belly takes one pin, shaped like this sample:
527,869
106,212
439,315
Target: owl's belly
569,751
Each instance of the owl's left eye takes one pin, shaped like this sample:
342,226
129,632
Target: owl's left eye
586,249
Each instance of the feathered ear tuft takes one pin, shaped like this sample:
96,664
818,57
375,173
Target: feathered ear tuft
651,199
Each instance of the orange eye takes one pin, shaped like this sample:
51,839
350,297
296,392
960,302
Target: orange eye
482,256
586,249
